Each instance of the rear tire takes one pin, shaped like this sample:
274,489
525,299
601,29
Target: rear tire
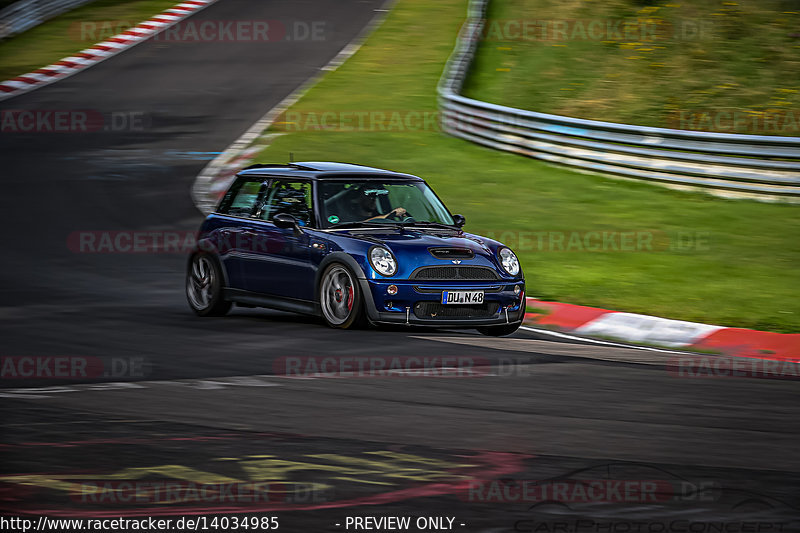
204,286
340,298
500,331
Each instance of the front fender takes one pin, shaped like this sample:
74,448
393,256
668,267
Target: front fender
361,277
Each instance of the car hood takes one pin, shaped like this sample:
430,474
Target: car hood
412,247
411,238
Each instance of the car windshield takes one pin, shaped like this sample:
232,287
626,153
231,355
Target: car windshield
347,202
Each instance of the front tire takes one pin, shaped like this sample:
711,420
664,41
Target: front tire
500,331
204,286
340,298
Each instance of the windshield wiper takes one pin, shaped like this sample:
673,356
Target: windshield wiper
365,224
431,225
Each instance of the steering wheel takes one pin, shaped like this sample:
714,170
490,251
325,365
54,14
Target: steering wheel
409,219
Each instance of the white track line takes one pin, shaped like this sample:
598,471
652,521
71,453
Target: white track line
259,380
596,341
132,37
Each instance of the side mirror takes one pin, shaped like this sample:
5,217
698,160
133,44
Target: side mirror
459,220
285,221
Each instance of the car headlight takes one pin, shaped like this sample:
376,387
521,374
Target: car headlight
383,261
509,261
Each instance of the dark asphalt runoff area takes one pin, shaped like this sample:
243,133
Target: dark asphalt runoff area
541,435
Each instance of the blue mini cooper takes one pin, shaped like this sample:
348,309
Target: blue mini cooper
351,244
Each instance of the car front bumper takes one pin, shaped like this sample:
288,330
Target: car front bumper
418,303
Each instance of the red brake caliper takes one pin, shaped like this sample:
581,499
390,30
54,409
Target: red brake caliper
350,298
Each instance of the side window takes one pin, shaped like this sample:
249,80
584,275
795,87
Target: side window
242,197
290,197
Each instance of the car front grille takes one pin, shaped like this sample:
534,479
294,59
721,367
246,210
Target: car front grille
454,273
436,310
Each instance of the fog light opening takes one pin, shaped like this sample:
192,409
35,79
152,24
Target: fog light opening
391,289
517,289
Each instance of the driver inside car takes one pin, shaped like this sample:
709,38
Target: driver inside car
367,206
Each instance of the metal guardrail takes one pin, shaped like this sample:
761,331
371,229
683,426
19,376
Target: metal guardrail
26,14
727,164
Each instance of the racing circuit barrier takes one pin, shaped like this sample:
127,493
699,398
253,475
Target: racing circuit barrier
734,165
26,14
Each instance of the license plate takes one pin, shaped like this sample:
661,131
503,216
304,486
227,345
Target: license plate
462,297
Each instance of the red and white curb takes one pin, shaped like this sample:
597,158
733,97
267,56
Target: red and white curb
218,175
629,327
100,51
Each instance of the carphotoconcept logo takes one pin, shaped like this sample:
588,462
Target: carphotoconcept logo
679,525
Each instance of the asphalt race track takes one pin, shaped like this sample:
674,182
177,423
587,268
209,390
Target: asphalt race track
204,405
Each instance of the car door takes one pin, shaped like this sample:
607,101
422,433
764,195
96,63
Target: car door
231,235
279,260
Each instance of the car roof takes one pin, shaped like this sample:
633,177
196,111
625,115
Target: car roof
325,170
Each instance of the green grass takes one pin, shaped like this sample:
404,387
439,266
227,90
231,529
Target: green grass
746,275
72,32
745,58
